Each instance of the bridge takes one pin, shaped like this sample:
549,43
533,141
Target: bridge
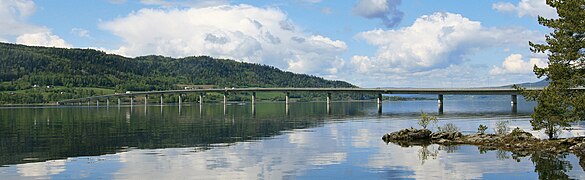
286,91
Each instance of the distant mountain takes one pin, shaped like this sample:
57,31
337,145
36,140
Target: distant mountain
541,83
92,68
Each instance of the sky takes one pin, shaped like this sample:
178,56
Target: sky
369,43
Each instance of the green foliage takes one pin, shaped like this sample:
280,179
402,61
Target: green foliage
481,129
42,94
426,119
550,165
502,127
565,47
424,153
22,67
552,112
449,128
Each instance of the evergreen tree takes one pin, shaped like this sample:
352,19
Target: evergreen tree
559,103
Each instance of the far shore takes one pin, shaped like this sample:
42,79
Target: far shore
207,102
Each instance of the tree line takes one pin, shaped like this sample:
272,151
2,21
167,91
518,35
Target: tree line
22,67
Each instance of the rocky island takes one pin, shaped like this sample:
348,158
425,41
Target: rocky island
518,141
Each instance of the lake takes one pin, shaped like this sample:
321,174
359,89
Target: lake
265,141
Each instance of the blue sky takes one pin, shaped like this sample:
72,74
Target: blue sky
370,43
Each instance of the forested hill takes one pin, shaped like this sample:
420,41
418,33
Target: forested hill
22,67
28,65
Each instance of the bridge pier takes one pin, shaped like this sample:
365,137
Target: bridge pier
108,102
253,99
379,108
379,98
224,109
286,97
200,111
97,103
514,103
180,100
225,98
119,102
145,100
161,100
328,99
253,110
201,99
440,103
88,101
131,101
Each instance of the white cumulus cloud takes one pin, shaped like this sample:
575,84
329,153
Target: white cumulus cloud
13,25
434,41
531,8
41,39
13,14
386,10
515,64
244,32
362,63
441,46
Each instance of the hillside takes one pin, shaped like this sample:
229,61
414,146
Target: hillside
22,67
541,83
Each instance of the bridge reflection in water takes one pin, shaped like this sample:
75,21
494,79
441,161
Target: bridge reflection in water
440,92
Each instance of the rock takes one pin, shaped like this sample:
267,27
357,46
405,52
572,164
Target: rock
408,134
580,147
458,141
520,135
444,141
518,141
479,138
522,153
570,142
446,135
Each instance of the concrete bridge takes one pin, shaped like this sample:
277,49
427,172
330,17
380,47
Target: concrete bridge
513,93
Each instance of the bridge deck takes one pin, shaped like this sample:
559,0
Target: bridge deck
443,91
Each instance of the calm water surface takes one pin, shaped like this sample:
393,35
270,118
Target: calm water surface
267,141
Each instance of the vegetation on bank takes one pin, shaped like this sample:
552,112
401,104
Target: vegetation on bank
26,71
